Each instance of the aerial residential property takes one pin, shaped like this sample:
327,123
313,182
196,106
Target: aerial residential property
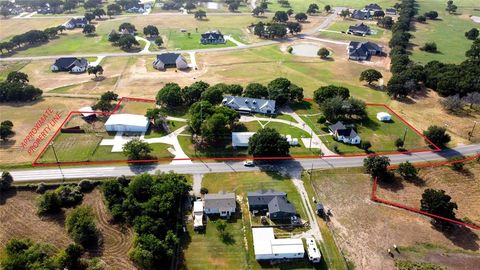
70,64
212,37
249,105
260,135
170,60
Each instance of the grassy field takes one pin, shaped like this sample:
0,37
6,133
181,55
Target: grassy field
302,5
10,28
382,135
7,67
365,230
447,31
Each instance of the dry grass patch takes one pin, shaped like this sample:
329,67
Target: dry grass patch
24,116
10,28
365,230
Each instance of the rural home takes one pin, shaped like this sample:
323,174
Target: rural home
135,8
363,50
372,8
273,202
391,11
131,123
170,60
361,15
359,30
384,117
197,215
266,247
212,37
240,139
249,105
312,250
71,64
221,203
76,23
344,134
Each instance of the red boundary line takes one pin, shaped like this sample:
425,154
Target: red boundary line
117,107
411,209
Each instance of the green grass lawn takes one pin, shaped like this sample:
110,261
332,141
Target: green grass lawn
7,67
302,5
179,40
86,147
269,63
381,135
448,32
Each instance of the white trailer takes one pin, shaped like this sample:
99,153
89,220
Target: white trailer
313,251
197,215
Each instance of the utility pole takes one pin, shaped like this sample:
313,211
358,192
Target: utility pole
470,135
404,135
58,163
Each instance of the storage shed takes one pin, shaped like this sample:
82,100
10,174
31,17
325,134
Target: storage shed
266,247
384,117
127,123
240,139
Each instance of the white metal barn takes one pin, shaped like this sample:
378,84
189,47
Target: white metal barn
384,117
312,250
127,123
266,247
240,139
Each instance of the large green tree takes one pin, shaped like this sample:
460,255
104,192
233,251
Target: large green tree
267,142
325,92
6,181
137,149
377,166
255,90
437,135
370,75
170,96
437,202
80,225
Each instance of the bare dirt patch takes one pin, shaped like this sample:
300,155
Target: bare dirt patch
365,230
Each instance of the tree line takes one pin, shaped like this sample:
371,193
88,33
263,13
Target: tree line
152,205
446,79
30,38
15,88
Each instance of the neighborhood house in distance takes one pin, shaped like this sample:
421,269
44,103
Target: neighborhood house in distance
170,60
212,37
250,105
359,30
363,50
273,203
70,64
76,23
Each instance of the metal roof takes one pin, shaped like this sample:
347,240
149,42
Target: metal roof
127,120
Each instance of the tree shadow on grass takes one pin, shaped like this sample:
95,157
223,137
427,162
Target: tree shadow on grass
461,236
395,184
5,195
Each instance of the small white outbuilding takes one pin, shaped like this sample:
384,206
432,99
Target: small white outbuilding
384,117
240,139
127,123
312,250
266,247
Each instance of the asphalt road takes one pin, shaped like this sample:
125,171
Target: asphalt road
219,167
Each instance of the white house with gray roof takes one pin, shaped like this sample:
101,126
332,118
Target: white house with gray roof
222,203
249,105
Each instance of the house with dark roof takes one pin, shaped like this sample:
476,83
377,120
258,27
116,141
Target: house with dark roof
391,11
70,64
363,50
212,37
222,203
170,60
359,30
343,133
274,203
135,8
249,105
76,23
373,7
361,15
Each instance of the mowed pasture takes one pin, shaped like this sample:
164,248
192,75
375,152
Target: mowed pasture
302,5
20,220
448,31
364,230
24,116
463,186
10,28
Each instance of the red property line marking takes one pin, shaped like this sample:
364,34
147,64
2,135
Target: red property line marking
122,99
411,209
